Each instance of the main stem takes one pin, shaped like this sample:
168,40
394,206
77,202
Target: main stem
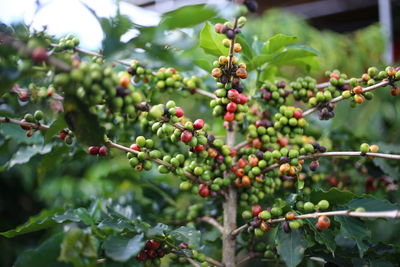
230,210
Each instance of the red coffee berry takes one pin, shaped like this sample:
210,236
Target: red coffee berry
204,192
216,73
242,99
142,256
198,124
290,215
93,150
39,54
26,128
323,222
179,112
256,209
135,147
231,107
186,136
335,75
199,148
229,116
233,95
183,245
297,114
103,151
241,73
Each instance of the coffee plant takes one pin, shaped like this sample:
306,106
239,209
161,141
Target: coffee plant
251,179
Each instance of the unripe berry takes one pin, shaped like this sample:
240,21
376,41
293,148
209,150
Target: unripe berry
223,60
374,148
364,148
218,27
323,204
237,47
308,207
264,215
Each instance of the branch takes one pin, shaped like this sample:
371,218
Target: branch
193,262
241,145
249,256
37,126
339,98
370,214
231,48
326,84
213,222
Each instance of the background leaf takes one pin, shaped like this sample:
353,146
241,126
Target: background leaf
291,246
121,248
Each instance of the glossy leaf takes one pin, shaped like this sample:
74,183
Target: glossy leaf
121,248
291,246
55,128
277,43
187,16
187,234
334,196
355,229
211,42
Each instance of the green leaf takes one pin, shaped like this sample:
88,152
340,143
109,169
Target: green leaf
82,122
247,51
334,196
372,204
187,234
326,238
24,154
55,128
77,215
121,248
355,229
187,16
291,246
259,61
113,29
292,53
277,43
158,230
211,42
42,221
79,248
44,255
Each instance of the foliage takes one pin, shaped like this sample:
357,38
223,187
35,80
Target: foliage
99,210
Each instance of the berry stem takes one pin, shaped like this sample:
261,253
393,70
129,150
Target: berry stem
231,48
349,213
213,222
36,126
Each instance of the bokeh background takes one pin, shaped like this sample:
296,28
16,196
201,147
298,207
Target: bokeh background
350,35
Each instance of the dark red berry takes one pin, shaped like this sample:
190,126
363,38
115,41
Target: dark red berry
204,192
93,150
231,107
142,256
198,124
297,114
26,128
233,95
39,54
199,148
103,151
183,245
186,136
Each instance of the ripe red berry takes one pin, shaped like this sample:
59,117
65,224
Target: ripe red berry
186,136
198,124
323,222
297,114
204,192
242,99
357,90
26,128
151,254
103,151
233,95
93,150
199,148
335,75
283,141
179,112
152,244
256,209
39,54
183,245
229,116
216,73
142,256
135,147
63,135
231,107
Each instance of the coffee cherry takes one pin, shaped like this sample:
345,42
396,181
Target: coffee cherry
186,136
183,245
179,112
229,116
241,73
276,212
256,209
364,148
290,216
93,150
264,215
314,165
374,148
38,115
156,112
323,204
216,73
204,192
198,124
103,151
286,227
231,107
323,222
294,225
26,128
39,54
264,226
308,207
218,27
237,48
135,147
247,215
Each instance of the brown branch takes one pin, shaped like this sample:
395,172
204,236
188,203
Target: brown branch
339,98
193,262
213,222
249,256
37,126
349,213
231,48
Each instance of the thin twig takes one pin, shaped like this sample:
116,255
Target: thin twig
37,126
249,256
213,222
349,213
193,262
232,45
